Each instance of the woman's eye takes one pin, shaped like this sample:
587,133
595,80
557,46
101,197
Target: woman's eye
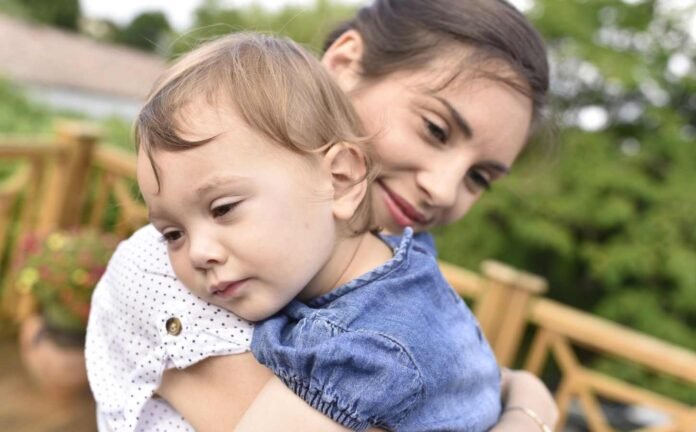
222,210
171,236
435,131
480,180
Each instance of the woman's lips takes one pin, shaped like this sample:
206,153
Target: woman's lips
226,290
402,212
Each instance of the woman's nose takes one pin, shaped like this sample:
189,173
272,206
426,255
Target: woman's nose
440,186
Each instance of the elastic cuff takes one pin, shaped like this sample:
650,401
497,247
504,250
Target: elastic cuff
329,409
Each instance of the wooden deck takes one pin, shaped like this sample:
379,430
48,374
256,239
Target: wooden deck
24,409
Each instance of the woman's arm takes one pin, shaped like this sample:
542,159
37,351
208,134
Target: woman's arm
523,389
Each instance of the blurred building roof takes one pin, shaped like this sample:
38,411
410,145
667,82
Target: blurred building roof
45,56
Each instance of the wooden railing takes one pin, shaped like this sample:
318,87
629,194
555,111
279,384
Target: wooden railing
62,182
73,181
507,301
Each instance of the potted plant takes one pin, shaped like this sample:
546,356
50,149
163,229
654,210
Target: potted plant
59,271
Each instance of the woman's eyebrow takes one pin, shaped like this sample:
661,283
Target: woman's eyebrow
461,122
496,166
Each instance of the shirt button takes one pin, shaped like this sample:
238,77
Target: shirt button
173,326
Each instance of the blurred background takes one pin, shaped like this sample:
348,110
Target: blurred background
602,205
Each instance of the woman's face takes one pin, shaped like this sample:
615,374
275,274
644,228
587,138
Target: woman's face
438,150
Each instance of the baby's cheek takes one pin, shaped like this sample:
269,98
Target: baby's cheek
183,271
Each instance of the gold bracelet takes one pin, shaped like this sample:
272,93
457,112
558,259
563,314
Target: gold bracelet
531,414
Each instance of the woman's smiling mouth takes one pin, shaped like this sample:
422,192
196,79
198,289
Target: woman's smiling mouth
403,213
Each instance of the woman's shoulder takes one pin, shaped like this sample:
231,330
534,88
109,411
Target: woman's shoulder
145,251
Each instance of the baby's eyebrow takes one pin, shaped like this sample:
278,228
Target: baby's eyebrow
217,181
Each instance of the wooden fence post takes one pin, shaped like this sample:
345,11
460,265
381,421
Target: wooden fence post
66,183
502,311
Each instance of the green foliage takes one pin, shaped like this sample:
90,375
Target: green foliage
306,25
20,116
118,132
147,31
13,8
59,13
610,223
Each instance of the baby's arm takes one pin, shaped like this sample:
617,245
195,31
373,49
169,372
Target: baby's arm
278,408
213,394
223,388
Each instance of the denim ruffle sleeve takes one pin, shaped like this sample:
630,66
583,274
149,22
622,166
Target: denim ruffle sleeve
423,240
357,378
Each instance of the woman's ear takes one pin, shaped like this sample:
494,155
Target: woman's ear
343,59
348,168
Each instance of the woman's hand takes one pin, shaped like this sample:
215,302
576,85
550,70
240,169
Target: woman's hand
524,389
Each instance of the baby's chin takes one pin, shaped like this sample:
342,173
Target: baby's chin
247,312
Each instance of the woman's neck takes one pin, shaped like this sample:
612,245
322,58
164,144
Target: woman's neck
352,257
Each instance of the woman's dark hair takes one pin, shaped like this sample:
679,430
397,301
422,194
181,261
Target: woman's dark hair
408,34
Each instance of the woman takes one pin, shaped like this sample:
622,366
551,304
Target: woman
449,90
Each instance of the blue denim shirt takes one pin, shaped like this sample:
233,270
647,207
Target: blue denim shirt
396,348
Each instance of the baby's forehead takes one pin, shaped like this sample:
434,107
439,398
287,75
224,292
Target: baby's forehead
200,119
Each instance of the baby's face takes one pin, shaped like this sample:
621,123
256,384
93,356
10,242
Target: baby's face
248,223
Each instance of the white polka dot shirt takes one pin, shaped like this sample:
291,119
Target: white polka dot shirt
142,322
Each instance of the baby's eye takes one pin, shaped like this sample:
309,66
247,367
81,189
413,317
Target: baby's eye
222,210
171,236
435,131
480,180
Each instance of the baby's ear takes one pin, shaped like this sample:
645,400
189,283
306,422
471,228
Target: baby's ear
348,168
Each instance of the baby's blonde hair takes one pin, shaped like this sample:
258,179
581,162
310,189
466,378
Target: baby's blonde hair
278,89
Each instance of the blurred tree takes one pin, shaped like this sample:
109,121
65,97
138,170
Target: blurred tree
20,116
305,24
610,223
59,13
13,8
147,31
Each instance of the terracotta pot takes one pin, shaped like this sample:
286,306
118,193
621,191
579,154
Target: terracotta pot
56,367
